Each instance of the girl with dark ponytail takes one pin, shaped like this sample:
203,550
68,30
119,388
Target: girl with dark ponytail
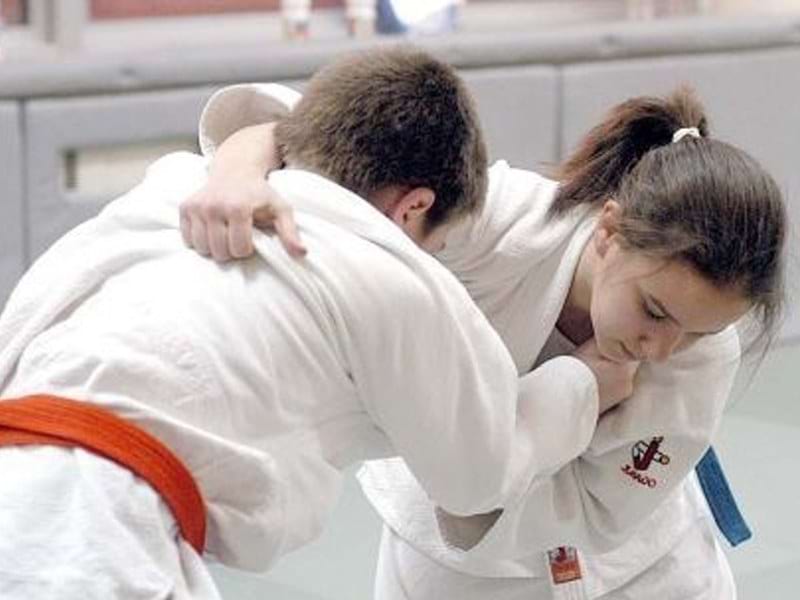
649,245
680,195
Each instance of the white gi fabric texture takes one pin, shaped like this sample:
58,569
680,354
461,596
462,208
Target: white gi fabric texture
76,526
670,557
518,265
623,524
268,376
404,573
535,447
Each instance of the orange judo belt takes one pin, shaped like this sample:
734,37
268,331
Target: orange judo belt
51,420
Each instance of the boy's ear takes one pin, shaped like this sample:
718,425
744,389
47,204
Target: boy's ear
607,226
410,206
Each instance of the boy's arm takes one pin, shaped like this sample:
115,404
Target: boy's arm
438,381
640,453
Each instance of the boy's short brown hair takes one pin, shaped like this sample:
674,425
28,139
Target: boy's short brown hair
391,116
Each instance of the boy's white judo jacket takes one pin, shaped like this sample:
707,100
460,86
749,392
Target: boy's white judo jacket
267,376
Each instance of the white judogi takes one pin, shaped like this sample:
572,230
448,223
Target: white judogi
643,532
266,377
518,266
76,526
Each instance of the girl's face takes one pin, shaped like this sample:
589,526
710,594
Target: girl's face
644,308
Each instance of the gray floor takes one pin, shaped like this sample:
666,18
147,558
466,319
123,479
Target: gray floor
340,565
759,445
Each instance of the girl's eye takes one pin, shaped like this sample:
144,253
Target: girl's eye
652,314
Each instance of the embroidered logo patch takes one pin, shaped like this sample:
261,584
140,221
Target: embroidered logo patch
564,564
643,455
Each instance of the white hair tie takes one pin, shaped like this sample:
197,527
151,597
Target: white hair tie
683,132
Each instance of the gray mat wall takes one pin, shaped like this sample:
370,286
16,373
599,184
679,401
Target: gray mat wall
536,97
54,126
12,258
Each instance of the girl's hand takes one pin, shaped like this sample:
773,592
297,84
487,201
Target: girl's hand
218,220
614,379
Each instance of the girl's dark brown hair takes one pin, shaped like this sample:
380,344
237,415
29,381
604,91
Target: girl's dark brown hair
697,200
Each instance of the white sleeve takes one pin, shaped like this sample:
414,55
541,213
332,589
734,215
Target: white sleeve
640,453
439,383
459,399
444,389
558,410
237,106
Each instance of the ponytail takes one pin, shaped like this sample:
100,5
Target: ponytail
595,171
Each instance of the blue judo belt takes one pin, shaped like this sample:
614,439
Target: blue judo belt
720,499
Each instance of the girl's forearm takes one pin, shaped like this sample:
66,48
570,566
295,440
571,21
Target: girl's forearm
249,152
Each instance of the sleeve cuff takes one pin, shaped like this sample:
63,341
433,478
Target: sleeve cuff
559,401
237,106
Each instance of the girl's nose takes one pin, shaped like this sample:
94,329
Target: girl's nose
658,347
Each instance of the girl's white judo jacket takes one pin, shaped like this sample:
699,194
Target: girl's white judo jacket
631,495
627,498
267,376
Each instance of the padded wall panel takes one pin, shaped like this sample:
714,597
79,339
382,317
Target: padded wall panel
56,127
518,107
11,199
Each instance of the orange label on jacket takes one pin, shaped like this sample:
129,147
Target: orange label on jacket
564,564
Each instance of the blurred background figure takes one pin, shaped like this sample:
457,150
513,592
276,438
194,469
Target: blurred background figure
296,17
417,16
360,16
365,17
650,9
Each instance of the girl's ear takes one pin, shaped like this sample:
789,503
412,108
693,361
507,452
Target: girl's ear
607,226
